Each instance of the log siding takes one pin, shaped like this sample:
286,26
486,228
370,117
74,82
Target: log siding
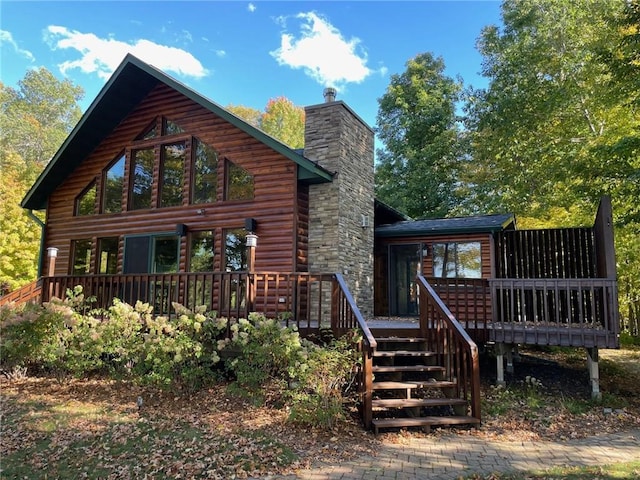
274,206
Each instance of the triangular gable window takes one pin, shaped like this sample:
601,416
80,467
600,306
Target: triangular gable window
85,203
150,132
171,128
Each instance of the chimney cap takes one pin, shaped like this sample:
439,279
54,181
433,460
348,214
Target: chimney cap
329,94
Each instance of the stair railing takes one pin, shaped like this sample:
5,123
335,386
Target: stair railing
447,338
345,317
27,293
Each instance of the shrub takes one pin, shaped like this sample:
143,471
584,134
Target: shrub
319,394
265,352
183,350
30,336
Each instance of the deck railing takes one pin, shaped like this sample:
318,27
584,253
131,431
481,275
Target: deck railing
294,298
24,294
346,317
452,344
469,299
571,312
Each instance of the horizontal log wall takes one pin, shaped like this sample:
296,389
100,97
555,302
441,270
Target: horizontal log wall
481,308
273,206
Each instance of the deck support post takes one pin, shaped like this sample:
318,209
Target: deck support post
500,351
594,373
509,359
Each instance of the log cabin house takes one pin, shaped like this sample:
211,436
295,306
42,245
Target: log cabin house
161,195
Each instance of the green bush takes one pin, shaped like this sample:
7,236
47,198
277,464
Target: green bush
30,336
320,393
180,351
264,352
69,337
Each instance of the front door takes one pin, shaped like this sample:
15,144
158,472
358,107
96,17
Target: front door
404,263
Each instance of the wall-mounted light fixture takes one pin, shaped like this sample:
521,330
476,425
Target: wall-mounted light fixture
252,240
201,211
364,222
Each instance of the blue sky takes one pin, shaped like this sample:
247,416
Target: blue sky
245,53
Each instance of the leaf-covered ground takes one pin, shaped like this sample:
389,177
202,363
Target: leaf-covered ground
94,429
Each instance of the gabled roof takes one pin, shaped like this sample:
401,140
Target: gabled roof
442,226
131,83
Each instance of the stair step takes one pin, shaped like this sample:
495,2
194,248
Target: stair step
407,368
400,339
412,384
422,422
403,353
416,402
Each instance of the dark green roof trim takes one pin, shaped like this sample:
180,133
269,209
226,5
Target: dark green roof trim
391,210
447,226
128,86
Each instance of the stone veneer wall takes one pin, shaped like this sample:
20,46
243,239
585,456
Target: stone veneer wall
341,142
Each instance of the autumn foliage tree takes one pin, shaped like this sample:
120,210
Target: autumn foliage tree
35,118
281,119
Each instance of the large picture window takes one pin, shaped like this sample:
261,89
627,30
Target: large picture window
113,186
457,260
141,178
172,176
205,173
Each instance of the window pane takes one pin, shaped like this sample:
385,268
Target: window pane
239,183
113,186
201,252
235,252
108,255
151,132
81,261
171,128
205,173
86,202
142,180
457,260
172,174
165,254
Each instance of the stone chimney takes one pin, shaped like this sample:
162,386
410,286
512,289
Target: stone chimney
341,212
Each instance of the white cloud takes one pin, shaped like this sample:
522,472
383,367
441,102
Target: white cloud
322,52
252,7
221,53
7,38
103,55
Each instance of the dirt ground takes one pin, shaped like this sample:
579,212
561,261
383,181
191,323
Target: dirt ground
556,406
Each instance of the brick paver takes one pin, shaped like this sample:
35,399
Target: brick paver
454,456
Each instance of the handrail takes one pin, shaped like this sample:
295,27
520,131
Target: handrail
447,338
341,321
345,316
26,293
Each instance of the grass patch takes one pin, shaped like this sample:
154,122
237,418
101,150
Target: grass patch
620,471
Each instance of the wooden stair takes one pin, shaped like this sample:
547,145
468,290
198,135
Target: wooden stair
410,389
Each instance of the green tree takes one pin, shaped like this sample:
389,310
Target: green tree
538,125
551,134
35,119
281,119
416,122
